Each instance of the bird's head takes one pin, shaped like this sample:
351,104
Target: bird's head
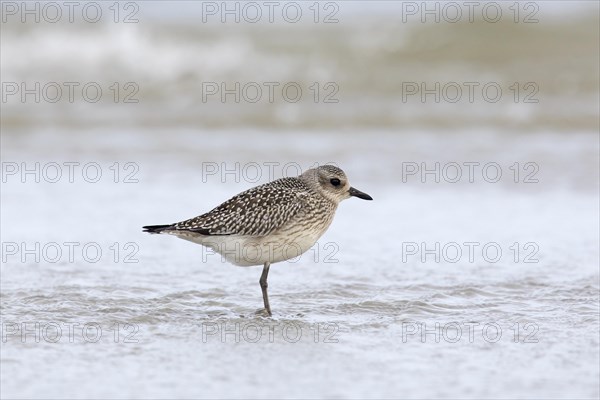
332,183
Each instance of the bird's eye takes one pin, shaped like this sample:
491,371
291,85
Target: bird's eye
335,181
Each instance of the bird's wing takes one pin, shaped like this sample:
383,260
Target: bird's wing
255,212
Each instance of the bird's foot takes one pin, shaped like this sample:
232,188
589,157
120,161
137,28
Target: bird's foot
264,312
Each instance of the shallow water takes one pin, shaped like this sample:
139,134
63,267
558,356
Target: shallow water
360,315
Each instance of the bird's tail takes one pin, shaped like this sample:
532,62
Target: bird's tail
156,228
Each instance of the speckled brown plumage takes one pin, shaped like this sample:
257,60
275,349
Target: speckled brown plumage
261,225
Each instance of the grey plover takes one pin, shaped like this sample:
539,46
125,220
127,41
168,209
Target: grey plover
269,223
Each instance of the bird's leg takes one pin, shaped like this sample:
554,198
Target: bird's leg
264,285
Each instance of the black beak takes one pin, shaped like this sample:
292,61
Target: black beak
359,194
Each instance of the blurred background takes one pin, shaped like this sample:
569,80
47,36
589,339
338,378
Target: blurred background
180,105
369,52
